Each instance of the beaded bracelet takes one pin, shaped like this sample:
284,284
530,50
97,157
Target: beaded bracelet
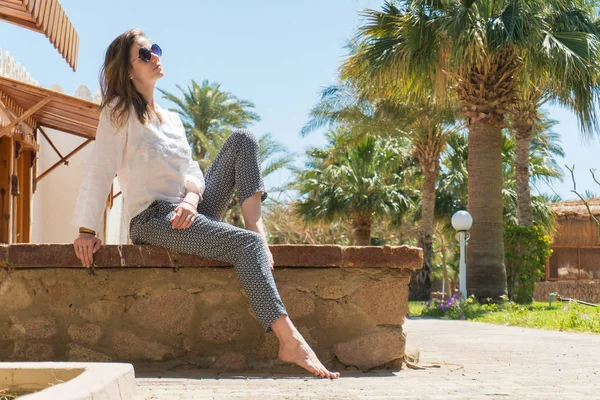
86,230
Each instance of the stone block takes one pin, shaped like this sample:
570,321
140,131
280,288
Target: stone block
102,311
290,255
169,312
14,294
269,347
86,333
230,361
220,328
385,302
298,304
332,291
61,295
35,327
128,346
220,298
404,257
76,352
24,351
372,350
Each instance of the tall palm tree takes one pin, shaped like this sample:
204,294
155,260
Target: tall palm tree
207,112
413,46
364,181
538,84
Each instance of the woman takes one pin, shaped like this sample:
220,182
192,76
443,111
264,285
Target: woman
165,192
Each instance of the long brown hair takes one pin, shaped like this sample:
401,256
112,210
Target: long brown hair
116,85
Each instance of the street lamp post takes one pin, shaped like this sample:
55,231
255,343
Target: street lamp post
462,221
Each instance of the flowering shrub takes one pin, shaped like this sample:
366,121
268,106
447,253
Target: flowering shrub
455,307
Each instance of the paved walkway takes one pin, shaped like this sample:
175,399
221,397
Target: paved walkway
479,361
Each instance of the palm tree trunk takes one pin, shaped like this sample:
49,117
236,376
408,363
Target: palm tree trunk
524,211
361,225
486,274
421,282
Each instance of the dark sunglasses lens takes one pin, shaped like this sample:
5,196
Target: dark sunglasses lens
156,50
145,54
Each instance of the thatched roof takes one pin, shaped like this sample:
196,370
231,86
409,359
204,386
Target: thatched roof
576,209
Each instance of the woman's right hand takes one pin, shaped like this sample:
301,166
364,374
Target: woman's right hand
86,245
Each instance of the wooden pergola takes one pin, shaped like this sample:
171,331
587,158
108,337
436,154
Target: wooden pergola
47,17
26,111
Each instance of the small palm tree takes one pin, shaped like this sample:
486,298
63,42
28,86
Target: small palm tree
209,116
364,181
208,112
426,125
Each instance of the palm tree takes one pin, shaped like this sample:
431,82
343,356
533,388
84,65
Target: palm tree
364,181
412,47
452,190
209,116
207,111
426,125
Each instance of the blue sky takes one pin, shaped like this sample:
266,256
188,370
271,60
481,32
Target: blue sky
277,54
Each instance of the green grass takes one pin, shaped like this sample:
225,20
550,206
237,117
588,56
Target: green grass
560,316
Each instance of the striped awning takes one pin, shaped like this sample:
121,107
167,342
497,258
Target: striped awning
47,17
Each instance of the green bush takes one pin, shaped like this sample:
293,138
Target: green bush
526,251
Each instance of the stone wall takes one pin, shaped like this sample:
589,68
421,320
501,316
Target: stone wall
587,290
143,304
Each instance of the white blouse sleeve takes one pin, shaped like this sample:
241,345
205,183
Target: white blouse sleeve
195,176
101,168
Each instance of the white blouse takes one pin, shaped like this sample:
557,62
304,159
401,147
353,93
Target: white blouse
152,162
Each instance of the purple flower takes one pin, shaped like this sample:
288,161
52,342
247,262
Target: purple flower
584,317
463,317
442,306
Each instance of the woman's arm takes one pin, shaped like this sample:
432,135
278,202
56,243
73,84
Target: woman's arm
101,168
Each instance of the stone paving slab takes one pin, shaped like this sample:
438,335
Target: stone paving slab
478,361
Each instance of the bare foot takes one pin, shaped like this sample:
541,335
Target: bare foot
297,351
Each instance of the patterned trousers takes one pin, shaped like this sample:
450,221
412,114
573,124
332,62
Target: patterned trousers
236,166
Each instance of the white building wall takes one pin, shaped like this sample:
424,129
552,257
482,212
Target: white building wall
55,196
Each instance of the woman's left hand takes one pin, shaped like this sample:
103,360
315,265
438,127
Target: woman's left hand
183,216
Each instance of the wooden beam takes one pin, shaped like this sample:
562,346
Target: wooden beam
53,146
24,116
43,174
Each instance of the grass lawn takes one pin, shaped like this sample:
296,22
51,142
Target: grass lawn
560,316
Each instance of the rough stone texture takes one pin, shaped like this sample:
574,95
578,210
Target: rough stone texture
388,308
80,353
24,351
13,294
86,333
297,304
170,312
36,327
582,290
230,361
102,310
195,312
129,346
372,350
220,328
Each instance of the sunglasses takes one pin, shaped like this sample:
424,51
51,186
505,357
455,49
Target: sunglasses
146,55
